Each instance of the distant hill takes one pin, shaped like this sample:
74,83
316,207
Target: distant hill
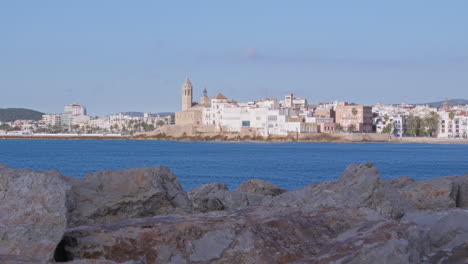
451,102
12,114
140,114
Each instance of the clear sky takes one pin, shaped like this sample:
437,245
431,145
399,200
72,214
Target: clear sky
114,56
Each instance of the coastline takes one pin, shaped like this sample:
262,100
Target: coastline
231,137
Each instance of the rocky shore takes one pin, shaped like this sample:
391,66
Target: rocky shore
143,215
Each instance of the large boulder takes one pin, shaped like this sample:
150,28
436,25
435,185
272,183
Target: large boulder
401,181
217,197
202,199
446,233
437,193
112,196
358,186
462,182
33,214
251,235
260,187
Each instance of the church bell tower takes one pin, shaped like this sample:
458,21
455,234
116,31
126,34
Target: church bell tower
187,95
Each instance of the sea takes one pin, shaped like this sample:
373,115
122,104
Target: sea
288,165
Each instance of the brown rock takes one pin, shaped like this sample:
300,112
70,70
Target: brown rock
437,193
251,235
358,186
112,196
260,187
401,181
33,207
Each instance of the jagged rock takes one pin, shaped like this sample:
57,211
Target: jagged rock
202,199
462,182
216,197
358,186
401,181
260,187
252,235
112,196
447,231
437,193
33,208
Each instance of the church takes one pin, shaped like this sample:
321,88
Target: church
192,112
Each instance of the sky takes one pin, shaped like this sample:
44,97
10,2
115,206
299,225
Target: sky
115,56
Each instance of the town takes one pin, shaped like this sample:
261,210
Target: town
264,117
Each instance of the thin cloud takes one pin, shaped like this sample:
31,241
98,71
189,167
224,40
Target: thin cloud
251,54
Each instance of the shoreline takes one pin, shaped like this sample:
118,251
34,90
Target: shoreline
315,138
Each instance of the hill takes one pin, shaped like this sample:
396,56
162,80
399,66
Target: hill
12,114
451,102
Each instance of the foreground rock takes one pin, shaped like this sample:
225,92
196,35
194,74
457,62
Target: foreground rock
260,187
112,196
33,208
252,235
401,181
446,234
432,194
143,216
359,186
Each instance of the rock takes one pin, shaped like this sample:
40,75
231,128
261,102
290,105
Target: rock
435,193
446,229
462,182
252,235
33,208
401,181
202,199
447,232
260,187
216,197
112,196
359,186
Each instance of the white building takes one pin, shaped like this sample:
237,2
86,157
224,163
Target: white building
51,119
453,124
397,121
74,109
264,115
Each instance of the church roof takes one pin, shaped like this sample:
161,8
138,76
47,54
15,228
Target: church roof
219,96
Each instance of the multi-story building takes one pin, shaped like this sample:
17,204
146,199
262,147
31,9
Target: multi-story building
74,109
354,118
453,124
397,122
51,119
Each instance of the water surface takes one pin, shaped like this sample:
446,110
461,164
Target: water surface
289,165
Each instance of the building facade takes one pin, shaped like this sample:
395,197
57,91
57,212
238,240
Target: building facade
354,118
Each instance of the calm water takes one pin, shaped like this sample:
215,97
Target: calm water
290,165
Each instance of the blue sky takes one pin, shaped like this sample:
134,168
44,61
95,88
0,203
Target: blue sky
114,56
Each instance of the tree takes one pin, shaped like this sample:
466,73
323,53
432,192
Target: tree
6,127
386,118
352,128
412,125
354,111
388,128
430,124
338,127
160,123
451,115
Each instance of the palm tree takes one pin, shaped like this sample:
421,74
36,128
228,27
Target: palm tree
412,125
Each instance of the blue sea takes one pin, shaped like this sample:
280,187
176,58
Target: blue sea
289,165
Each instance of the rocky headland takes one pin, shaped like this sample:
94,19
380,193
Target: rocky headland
143,215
